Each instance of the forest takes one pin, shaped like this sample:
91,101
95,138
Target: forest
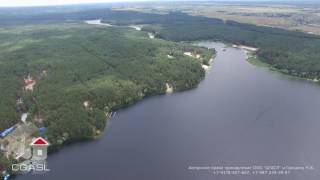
83,71
290,52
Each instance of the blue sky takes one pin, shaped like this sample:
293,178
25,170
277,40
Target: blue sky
6,3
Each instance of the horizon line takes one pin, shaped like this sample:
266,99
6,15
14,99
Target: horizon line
158,1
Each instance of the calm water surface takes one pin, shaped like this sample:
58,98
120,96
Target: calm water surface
240,115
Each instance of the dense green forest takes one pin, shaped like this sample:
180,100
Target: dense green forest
290,52
107,67
293,53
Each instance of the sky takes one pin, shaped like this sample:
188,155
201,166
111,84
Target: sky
13,3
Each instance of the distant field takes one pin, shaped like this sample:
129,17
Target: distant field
292,17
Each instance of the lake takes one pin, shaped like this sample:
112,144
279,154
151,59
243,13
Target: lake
239,115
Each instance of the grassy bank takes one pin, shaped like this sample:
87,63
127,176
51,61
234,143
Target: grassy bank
254,60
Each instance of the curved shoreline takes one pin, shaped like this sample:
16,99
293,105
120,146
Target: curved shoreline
254,60
168,88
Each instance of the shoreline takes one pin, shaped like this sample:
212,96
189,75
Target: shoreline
168,89
55,148
254,60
